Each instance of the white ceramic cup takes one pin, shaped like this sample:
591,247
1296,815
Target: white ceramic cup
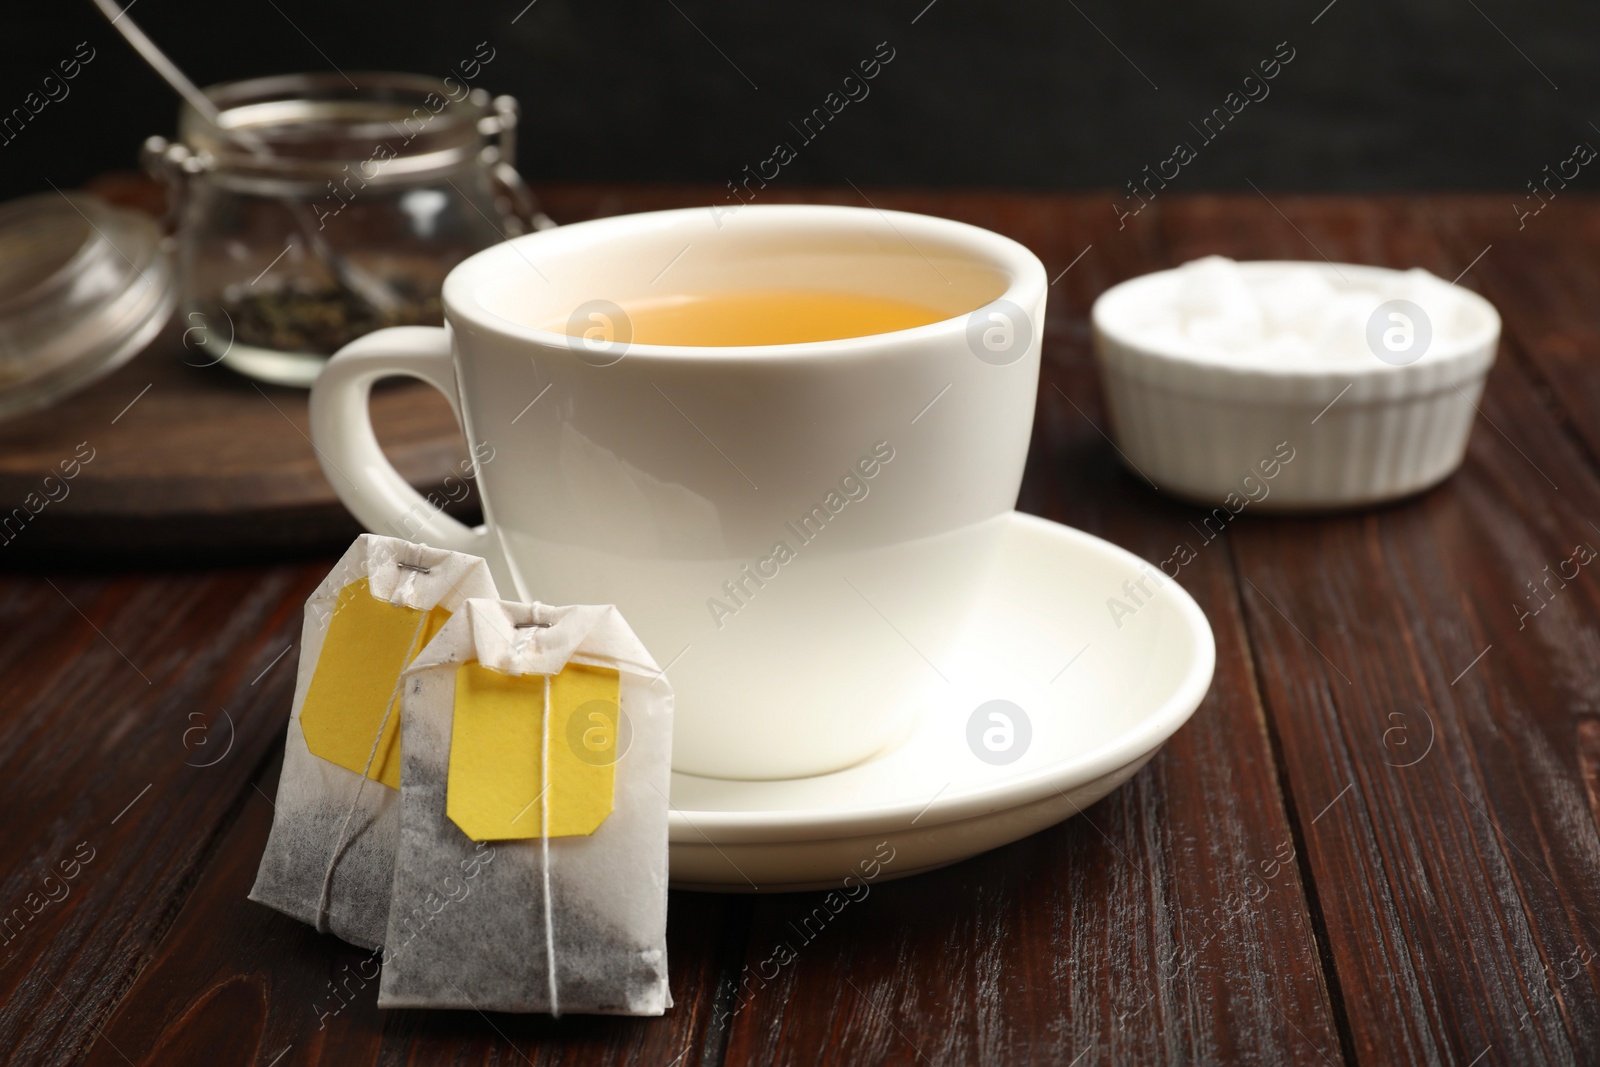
665,479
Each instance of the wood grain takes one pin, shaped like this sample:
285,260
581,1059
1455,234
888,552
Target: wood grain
117,692
1428,733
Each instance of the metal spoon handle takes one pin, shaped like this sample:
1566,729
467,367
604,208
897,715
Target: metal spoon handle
367,286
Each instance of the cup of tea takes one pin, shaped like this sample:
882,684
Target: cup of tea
782,439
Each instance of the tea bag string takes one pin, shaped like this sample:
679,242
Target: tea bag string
344,828
544,854
520,643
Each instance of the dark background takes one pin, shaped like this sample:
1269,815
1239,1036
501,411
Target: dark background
1381,95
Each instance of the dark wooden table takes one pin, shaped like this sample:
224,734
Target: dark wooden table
1375,842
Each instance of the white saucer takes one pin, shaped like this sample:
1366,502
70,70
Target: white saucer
1102,687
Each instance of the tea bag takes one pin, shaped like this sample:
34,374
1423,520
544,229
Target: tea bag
329,860
532,868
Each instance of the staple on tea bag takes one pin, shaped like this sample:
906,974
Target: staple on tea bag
546,731
329,860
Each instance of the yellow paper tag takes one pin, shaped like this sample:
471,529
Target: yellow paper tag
498,741
369,642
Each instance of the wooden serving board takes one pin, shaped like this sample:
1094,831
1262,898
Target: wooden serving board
195,462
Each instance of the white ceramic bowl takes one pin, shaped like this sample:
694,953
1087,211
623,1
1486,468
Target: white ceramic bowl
1359,432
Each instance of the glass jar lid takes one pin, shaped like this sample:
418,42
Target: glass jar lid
320,127
84,286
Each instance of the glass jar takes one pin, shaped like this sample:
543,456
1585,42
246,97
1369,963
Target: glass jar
312,212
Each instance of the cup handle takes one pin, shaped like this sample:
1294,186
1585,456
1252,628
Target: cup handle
348,450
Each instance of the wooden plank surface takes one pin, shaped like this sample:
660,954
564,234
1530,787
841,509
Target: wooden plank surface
136,710
1368,846
1428,730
